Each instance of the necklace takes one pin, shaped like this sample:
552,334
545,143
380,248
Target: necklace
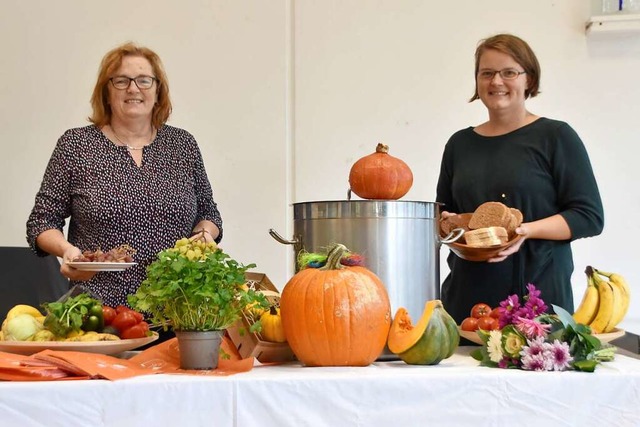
130,147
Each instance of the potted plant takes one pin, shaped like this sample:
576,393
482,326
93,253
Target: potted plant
197,290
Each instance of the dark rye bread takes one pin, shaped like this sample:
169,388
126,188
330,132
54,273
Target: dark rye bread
490,214
496,214
449,224
516,220
518,215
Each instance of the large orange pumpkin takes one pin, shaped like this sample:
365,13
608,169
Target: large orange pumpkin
335,315
380,176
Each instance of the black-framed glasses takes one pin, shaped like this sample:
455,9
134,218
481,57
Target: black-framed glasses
506,74
123,82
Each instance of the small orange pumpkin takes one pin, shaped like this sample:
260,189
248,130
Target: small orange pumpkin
335,315
380,176
272,329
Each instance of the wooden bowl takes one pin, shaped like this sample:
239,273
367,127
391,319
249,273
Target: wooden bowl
465,251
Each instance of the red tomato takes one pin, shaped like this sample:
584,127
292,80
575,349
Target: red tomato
123,308
108,314
124,320
495,313
138,330
487,323
480,309
469,324
138,315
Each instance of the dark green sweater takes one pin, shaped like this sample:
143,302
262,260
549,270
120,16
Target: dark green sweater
542,169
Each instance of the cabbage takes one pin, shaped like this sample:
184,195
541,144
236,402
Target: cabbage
21,328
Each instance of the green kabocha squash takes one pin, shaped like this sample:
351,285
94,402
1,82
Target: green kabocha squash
433,338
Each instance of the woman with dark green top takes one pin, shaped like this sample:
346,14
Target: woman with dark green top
535,164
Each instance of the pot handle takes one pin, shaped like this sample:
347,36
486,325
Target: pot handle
281,239
455,234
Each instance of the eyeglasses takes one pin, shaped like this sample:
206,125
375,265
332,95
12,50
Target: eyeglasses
506,74
123,82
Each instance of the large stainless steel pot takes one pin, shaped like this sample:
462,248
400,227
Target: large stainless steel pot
398,239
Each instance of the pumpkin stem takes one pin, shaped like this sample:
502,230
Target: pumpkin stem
382,148
334,256
273,310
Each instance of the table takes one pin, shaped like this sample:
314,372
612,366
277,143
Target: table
457,392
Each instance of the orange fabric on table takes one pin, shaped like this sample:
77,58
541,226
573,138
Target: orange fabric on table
17,367
165,358
94,365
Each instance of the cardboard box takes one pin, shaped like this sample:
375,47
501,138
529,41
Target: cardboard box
250,344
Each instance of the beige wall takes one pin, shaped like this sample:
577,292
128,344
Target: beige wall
283,96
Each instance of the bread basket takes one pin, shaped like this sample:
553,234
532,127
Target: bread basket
459,245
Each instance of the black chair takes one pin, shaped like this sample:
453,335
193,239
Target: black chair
26,278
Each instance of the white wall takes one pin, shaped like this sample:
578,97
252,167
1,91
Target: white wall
284,96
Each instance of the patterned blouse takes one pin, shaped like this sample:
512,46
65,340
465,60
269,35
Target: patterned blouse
111,201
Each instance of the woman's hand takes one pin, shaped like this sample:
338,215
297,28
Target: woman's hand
524,234
71,273
446,214
551,228
205,230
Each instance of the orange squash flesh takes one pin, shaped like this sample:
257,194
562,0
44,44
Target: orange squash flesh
403,334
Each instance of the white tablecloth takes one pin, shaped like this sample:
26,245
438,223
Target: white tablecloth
455,392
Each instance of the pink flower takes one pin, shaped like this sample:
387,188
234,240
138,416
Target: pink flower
531,328
534,347
535,362
560,356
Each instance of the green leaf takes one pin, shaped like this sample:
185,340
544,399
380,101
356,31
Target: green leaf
565,317
585,365
477,354
68,315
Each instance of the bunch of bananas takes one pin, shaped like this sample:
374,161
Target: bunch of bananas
604,303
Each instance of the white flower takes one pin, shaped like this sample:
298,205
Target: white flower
494,346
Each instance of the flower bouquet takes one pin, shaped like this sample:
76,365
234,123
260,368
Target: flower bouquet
531,339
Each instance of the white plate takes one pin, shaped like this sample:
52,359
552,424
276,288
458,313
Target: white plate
102,347
610,336
101,266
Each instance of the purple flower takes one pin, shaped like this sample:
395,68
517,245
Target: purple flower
534,305
504,363
533,292
507,309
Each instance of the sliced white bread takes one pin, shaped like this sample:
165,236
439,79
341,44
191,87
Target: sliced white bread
486,237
